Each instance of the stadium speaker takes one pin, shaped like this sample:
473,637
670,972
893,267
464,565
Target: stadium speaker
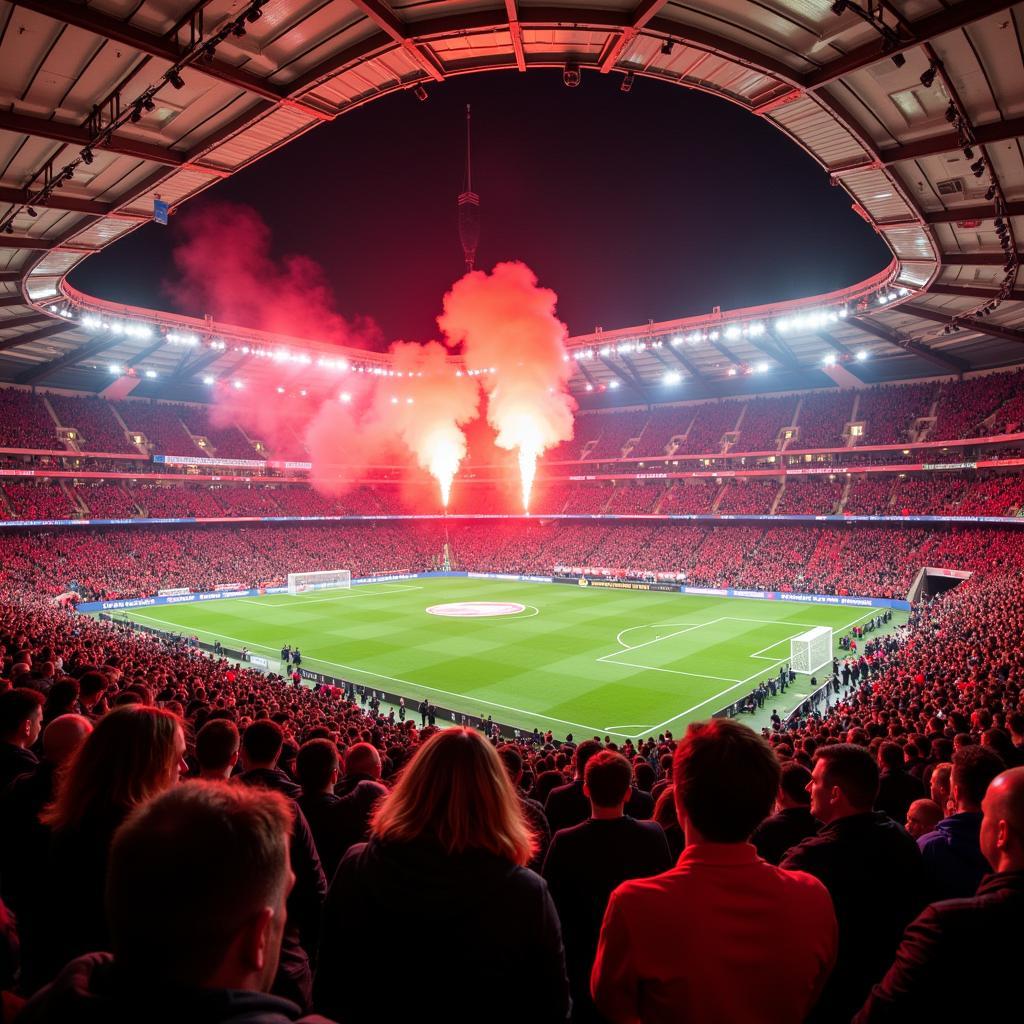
571,76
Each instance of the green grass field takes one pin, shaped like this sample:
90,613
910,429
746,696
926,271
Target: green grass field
626,663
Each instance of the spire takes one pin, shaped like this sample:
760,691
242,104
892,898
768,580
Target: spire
469,207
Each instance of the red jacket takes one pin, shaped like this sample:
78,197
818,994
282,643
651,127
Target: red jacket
722,936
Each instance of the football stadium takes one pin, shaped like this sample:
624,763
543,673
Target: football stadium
530,498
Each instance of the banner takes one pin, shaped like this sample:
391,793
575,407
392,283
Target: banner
173,592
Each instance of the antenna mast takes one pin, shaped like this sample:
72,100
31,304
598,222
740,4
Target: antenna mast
469,207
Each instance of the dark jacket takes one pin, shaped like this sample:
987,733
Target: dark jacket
872,870
340,822
568,805
777,835
90,990
584,864
270,778
957,961
15,761
476,927
953,864
897,790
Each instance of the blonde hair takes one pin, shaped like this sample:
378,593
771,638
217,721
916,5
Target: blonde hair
456,791
130,756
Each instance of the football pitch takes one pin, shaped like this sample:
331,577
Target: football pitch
565,658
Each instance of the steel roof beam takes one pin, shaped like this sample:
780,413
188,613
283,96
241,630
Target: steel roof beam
623,376
986,212
142,355
688,364
515,30
22,321
900,341
75,135
56,201
385,19
921,31
201,362
118,31
12,300
976,290
59,327
23,242
979,326
77,355
835,343
974,259
779,351
948,142
642,14
10,275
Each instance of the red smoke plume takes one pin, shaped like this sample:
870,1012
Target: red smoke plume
506,323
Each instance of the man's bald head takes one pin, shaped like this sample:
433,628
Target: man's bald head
1002,827
63,736
363,759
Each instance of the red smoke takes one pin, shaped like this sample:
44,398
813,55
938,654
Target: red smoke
349,421
227,271
506,323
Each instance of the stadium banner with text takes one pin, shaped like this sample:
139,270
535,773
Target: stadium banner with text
173,592
843,600
568,516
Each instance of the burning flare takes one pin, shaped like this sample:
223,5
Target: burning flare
512,338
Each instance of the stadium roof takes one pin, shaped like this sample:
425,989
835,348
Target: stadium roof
917,112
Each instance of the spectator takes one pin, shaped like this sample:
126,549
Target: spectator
262,743
586,862
568,805
792,821
362,764
685,945
135,752
217,745
21,718
922,818
317,766
442,888
203,949
533,811
897,788
940,785
665,815
870,866
955,944
953,861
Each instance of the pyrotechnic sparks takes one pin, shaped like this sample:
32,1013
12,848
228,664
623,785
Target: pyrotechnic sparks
504,321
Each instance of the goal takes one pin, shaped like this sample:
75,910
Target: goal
330,579
811,650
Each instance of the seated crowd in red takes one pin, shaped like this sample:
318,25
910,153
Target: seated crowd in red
187,839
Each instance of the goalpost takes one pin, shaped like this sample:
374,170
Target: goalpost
329,579
811,650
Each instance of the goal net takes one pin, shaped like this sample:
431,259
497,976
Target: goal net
332,579
811,650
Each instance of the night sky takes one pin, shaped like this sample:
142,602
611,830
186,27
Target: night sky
659,203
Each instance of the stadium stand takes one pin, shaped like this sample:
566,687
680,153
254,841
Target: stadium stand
747,497
888,413
95,422
822,419
763,421
25,421
816,495
160,425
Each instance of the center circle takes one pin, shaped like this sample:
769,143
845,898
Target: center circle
476,609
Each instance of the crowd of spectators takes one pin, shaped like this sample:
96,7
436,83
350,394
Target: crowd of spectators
635,499
31,500
25,422
822,418
227,441
708,427
94,421
202,842
888,411
762,422
747,496
161,426
810,495
870,495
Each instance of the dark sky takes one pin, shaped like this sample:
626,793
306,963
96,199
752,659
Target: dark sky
661,203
